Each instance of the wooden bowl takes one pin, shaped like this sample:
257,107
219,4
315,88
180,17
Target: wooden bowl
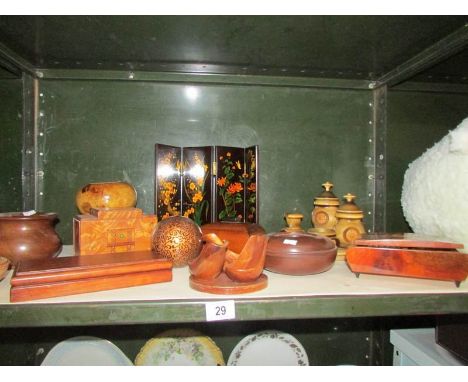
28,237
248,265
105,195
297,253
209,264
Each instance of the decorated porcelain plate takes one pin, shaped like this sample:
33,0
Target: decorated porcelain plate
268,348
180,348
86,351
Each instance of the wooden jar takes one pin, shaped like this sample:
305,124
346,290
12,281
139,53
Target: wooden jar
349,226
325,206
293,220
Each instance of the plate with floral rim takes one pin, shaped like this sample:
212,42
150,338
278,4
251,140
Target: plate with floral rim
268,348
180,347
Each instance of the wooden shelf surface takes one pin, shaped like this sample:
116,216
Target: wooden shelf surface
335,293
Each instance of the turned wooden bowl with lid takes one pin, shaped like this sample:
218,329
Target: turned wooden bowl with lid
299,253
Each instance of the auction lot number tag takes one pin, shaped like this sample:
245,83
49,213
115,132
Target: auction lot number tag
220,310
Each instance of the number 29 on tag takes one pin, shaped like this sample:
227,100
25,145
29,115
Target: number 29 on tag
220,310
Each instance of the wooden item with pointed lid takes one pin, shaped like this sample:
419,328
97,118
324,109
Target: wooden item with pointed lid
293,221
325,206
349,226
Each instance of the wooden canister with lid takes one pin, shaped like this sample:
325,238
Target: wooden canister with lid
349,226
325,206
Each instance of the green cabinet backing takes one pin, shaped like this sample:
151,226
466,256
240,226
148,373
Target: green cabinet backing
11,144
95,131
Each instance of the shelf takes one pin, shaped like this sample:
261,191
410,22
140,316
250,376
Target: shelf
335,293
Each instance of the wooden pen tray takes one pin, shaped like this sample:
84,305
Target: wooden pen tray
408,255
64,276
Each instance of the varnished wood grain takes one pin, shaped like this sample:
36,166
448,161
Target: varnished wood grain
419,263
94,284
80,267
113,230
236,234
209,264
248,265
224,285
116,213
406,240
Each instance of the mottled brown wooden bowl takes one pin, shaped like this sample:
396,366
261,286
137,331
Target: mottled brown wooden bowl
28,237
297,253
105,195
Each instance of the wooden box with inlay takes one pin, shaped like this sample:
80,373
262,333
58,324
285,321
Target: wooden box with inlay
113,230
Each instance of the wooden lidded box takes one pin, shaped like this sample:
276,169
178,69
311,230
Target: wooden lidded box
108,230
69,275
236,234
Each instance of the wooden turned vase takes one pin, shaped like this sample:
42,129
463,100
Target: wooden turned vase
105,195
28,237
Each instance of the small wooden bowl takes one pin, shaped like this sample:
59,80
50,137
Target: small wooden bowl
209,264
248,265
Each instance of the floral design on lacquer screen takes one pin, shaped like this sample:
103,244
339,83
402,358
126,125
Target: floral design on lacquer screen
195,184
169,167
230,187
251,186
185,185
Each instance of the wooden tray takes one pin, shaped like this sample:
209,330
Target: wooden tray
224,285
408,255
81,274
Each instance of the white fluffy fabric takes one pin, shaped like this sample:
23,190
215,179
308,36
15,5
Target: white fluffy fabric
435,189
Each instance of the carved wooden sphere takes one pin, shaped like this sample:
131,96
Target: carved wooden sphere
177,238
